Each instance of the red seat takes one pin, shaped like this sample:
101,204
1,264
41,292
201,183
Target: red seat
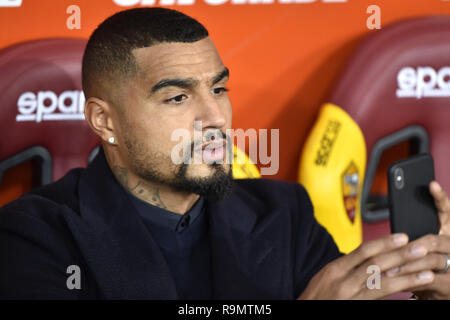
42,104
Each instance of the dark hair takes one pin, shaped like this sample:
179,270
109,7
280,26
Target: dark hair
108,56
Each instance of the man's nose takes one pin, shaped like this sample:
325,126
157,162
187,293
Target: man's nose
211,112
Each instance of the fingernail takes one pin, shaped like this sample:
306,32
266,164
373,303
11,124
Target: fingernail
418,251
392,272
438,186
425,276
400,239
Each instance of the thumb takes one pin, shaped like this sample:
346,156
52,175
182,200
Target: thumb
442,203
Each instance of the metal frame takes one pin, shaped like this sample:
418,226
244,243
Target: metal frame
421,141
38,153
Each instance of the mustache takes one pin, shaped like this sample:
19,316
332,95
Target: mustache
211,135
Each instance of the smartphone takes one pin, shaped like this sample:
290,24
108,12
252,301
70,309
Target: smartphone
412,208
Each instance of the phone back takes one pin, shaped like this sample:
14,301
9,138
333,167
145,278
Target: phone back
412,208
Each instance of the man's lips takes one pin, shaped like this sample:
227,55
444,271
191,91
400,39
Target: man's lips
213,145
213,150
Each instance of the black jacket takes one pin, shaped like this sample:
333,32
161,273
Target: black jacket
265,242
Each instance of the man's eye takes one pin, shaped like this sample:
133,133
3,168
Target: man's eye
177,99
219,90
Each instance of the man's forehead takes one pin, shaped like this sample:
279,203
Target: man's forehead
176,59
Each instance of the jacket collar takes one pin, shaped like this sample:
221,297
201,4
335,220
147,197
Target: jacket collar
123,256
246,255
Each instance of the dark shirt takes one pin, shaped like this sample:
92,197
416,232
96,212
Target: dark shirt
184,242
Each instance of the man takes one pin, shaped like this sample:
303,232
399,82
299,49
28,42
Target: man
136,224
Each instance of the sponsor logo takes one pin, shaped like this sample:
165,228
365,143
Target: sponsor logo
10,3
129,3
327,141
425,82
350,182
47,106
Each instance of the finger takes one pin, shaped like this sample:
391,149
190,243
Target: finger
390,286
440,285
432,261
388,260
372,248
401,256
440,196
433,243
441,201
413,251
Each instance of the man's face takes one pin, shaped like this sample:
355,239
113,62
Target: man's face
177,84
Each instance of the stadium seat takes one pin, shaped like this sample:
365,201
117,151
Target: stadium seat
42,107
394,88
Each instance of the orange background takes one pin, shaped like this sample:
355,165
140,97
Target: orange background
283,58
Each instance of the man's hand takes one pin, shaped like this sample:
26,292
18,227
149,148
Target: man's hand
436,259
405,266
439,288
346,277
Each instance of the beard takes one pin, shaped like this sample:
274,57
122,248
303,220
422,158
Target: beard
215,187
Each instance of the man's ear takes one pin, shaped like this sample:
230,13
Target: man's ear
99,115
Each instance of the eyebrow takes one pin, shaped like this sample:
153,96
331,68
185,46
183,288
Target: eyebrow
225,73
188,82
